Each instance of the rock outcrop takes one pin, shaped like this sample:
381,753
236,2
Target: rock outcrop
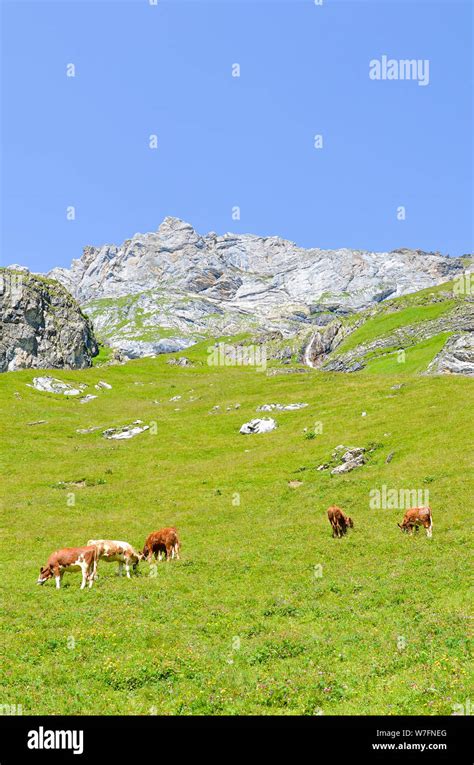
257,425
177,286
41,325
457,356
125,432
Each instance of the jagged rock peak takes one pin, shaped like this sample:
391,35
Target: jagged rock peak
257,273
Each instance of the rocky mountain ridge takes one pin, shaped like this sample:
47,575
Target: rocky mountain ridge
166,290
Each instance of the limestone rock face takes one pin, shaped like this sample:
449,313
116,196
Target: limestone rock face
457,356
41,325
178,285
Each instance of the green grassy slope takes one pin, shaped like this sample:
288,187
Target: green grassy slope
419,323
241,624
386,322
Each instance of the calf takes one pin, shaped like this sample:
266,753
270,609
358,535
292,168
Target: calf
111,550
70,559
339,521
415,517
164,541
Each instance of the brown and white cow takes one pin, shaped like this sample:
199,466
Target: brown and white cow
339,521
111,550
415,517
70,559
162,542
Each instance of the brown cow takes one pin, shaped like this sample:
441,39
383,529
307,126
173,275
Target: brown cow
111,550
165,541
415,517
70,559
339,521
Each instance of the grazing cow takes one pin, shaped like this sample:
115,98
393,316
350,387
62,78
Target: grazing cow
162,542
111,550
70,559
339,521
415,517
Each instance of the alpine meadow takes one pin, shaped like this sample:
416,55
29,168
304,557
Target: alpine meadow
236,379
265,612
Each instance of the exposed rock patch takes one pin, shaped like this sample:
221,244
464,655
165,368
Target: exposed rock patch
280,407
183,361
53,385
348,457
41,325
456,358
257,425
125,432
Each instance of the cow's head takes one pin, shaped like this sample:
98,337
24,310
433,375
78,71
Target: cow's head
350,523
136,560
403,526
45,574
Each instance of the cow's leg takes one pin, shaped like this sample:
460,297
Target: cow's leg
120,568
84,576
429,528
58,575
176,547
91,575
168,551
127,568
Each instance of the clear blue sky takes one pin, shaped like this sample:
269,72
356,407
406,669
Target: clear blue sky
227,141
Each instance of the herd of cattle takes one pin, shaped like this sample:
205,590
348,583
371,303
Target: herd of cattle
165,542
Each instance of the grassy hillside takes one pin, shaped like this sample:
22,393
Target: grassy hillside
386,321
418,324
243,623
